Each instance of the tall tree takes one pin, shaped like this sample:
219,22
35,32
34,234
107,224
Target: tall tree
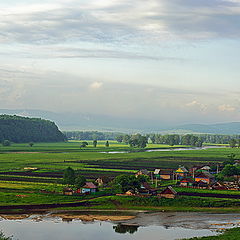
80,181
107,144
69,176
94,143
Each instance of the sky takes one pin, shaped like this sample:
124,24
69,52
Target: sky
174,61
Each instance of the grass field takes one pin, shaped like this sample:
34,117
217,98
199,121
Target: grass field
229,234
21,186
54,157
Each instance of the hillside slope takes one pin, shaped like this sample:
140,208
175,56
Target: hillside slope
22,129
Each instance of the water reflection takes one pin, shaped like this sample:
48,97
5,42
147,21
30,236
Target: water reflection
123,228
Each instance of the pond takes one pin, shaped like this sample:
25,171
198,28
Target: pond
151,226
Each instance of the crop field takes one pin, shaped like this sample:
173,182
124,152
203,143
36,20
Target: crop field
19,184
50,159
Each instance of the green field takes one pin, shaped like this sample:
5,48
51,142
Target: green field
229,234
23,186
54,157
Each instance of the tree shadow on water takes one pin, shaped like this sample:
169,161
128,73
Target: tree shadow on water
121,228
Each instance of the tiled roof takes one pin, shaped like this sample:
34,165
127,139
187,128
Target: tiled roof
89,185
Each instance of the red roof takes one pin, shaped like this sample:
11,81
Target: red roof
89,185
169,190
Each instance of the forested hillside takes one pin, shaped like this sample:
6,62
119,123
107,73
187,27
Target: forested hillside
22,129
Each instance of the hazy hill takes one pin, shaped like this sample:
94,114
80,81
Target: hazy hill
219,128
81,122
22,129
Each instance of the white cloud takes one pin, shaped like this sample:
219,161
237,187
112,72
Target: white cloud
119,21
226,108
197,105
96,85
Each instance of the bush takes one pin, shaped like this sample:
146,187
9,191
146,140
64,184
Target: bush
6,143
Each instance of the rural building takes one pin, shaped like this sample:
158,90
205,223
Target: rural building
218,186
164,174
130,193
204,177
147,189
89,187
181,172
68,191
157,172
186,182
142,172
102,181
168,192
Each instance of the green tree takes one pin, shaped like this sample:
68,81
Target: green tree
119,138
231,159
107,144
94,143
142,178
232,143
84,144
6,143
80,181
31,144
69,176
137,140
230,170
126,182
126,138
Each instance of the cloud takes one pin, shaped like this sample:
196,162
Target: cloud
226,108
118,21
96,85
197,105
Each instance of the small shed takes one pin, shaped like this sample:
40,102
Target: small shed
89,187
186,182
142,172
68,191
166,174
168,192
218,186
102,181
130,193
157,172
147,189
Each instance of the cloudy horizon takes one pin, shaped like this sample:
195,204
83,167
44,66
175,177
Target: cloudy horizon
173,61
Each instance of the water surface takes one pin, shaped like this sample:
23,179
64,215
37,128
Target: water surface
151,226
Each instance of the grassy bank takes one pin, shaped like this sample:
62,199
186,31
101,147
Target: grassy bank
229,234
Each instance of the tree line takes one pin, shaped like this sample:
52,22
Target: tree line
90,135
23,129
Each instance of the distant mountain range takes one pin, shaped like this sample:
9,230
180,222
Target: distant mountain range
79,121
218,128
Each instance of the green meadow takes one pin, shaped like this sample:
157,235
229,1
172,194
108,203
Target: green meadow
55,157
19,185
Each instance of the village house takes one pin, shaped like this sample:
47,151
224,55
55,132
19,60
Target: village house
186,182
201,184
181,172
89,188
68,191
163,174
142,172
205,177
102,181
218,186
168,192
147,189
